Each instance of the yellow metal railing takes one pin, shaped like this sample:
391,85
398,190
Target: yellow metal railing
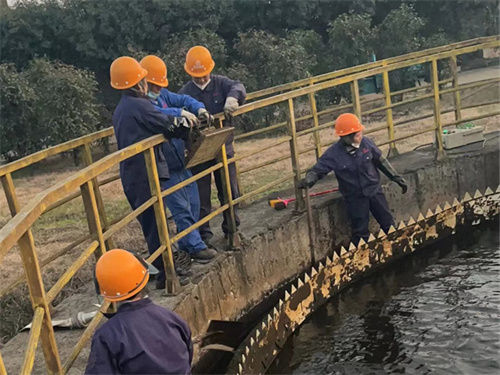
86,183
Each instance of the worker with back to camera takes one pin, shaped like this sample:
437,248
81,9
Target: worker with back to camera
218,94
142,337
355,160
184,204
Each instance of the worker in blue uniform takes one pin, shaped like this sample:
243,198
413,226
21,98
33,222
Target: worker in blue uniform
136,119
218,94
184,204
141,337
356,160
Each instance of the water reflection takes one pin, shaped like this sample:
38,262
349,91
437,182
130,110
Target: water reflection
436,312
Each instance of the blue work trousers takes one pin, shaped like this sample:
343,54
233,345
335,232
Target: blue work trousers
184,205
359,208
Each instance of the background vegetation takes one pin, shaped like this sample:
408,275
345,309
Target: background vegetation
55,54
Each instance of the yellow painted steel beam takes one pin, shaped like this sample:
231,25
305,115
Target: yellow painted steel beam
54,150
263,188
35,330
86,336
71,271
125,220
3,371
21,223
346,79
355,69
199,223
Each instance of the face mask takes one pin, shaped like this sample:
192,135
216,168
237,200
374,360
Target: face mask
153,95
355,145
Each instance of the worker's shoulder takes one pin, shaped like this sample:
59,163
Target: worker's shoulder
368,141
187,88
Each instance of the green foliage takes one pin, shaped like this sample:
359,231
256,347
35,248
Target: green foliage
272,60
260,42
46,104
18,136
399,33
351,40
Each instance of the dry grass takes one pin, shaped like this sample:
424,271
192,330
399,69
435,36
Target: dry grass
60,227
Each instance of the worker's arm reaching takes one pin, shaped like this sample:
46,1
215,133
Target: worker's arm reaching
386,167
158,122
318,171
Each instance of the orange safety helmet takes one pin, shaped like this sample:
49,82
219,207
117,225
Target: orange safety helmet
126,72
120,275
347,123
199,62
157,70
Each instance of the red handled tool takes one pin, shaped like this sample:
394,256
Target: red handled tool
281,204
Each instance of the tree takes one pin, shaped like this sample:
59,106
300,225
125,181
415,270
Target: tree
46,104
18,135
351,40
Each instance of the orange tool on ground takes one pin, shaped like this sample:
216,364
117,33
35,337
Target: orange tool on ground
281,204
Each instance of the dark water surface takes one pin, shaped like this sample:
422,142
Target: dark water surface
437,312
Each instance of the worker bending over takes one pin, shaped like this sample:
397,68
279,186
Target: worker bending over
142,337
134,120
184,204
218,94
355,160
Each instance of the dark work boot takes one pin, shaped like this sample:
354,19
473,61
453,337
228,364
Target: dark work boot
204,256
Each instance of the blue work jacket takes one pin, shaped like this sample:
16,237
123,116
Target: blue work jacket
141,338
356,174
172,104
135,119
214,96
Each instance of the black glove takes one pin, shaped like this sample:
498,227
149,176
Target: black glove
308,181
401,182
386,167
205,116
180,128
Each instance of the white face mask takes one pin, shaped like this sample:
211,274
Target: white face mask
355,145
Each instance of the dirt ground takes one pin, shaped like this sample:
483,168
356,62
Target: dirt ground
60,227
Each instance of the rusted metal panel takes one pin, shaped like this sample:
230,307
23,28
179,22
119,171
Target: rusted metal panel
207,145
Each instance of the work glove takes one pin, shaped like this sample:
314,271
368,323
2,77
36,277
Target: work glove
180,128
309,181
401,182
387,168
204,115
230,106
191,118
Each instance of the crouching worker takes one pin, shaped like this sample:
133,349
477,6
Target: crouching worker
141,338
355,160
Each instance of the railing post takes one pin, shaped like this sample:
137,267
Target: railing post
10,193
233,238
356,103
88,160
388,104
314,111
437,109
456,97
171,281
93,217
3,371
299,203
38,299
